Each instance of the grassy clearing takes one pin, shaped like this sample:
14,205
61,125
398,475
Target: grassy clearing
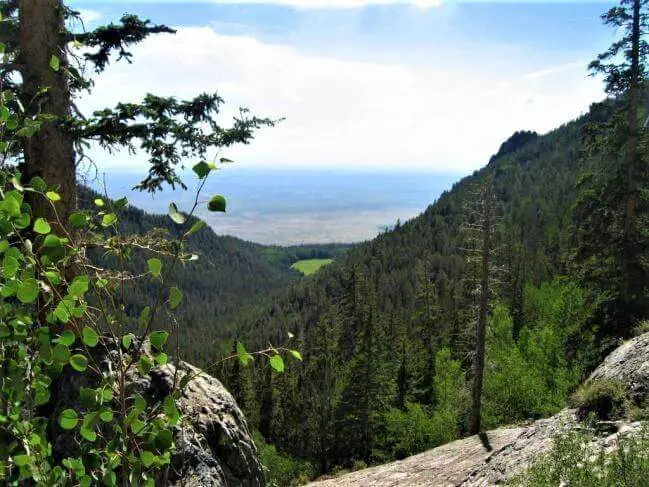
310,266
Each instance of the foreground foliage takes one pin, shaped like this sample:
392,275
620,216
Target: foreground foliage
574,461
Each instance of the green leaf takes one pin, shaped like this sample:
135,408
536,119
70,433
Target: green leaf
78,219
147,458
67,338
28,290
109,219
217,203
90,337
164,440
243,356
196,227
52,241
175,297
106,415
139,404
10,266
155,266
127,340
161,358
55,63
145,365
38,183
297,355
171,411
53,196
79,286
41,226
79,362
158,339
99,202
277,363
15,181
175,215
68,419
88,434
202,169
22,460
121,203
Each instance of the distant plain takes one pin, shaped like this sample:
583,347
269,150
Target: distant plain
295,206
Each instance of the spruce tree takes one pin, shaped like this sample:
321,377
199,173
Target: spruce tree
611,209
48,65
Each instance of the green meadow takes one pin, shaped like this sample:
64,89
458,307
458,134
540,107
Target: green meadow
310,266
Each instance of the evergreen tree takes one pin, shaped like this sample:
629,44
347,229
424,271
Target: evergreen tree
611,212
45,71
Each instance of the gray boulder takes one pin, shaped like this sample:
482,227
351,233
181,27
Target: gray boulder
214,447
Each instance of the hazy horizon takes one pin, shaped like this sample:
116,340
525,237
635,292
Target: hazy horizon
295,206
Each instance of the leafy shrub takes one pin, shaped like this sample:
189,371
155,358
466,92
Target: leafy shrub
641,328
573,461
604,398
282,470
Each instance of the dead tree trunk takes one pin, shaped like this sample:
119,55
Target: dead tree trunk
483,308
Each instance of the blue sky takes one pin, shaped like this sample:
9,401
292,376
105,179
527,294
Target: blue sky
424,85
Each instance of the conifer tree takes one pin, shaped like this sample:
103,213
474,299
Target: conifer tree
481,231
611,212
46,68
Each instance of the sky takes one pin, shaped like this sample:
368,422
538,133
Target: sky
373,85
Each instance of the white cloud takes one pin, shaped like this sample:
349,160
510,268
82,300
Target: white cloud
90,16
343,113
305,4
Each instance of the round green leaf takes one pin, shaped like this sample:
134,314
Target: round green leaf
155,266
106,415
78,219
109,219
79,362
52,241
88,434
147,458
38,183
68,419
10,266
217,203
53,196
67,338
127,340
41,226
277,363
158,339
28,290
90,337
79,286
21,460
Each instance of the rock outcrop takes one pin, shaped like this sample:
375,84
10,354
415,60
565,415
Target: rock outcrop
214,447
502,454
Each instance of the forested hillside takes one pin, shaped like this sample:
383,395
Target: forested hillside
387,332
230,274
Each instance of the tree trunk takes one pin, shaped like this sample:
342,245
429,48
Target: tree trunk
50,153
483,309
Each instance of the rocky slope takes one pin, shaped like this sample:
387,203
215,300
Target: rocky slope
502,454
214,447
